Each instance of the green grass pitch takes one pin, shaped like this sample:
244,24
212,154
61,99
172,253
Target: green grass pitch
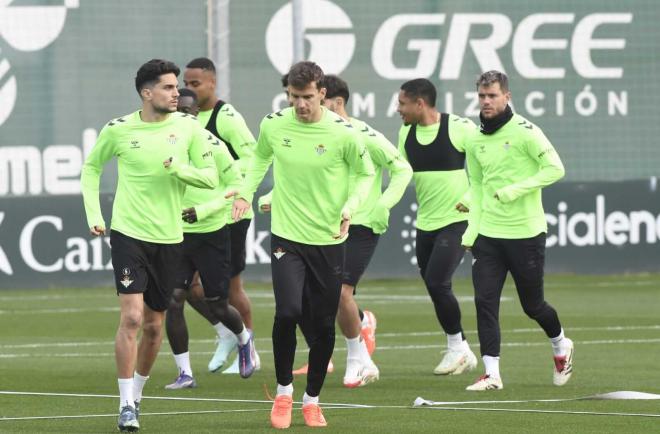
61,342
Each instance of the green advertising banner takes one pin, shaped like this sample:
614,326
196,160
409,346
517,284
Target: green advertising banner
583,71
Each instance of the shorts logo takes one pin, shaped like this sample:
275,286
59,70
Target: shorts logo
320,149
171,139
279,252
125,279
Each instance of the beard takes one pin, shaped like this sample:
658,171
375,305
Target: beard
164,109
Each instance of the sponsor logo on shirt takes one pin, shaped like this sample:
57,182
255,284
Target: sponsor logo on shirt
286,142
320,149
135,144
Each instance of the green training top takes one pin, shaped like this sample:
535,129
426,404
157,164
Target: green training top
311,163
213,210
515,163
438,192
147,204
374,212
232,128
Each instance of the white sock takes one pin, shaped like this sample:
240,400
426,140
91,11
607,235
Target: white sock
125,392
309,399
454,342
222,331
353,348
492,365
557,347
138,385
285,390
183,363
243,337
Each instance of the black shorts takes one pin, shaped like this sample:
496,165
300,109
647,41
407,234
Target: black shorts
238,238
145,267
207,253
360,247
306,278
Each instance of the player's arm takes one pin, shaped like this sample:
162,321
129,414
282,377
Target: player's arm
90,179
264,202
357,157
259,164
231,126
460,131
550,166
384,154
476,190
229,176
202,172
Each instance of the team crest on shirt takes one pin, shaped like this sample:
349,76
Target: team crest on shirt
482,149
320,149
172,139
135,144
286,142
126,277
507,145
279,252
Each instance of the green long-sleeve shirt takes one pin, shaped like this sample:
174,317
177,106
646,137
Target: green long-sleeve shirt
212,209
147,204
374,212
438,192
233,129
513,163
311,166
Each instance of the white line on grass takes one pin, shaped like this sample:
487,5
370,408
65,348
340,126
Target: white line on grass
380,348
325,406
171,398
513,410
385,335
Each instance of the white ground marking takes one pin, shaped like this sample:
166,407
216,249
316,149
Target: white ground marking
380,335
342,349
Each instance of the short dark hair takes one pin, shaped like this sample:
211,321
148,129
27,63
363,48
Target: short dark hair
149,73
302,74
493,76
202,63
285,80
187,92
335,86
420,88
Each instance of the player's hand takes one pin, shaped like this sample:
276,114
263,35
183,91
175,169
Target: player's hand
379,218
167,163
462,208
345,224
240,206
189,215
97,230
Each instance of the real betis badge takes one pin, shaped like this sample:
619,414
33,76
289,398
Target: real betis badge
125,279
171,139
507,145
320,149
